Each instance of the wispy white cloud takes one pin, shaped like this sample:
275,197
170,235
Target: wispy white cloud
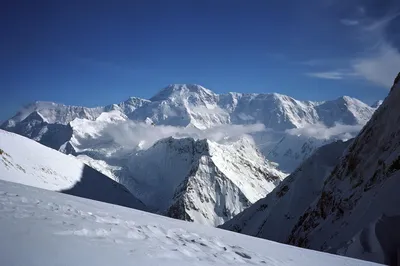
349,22
320,131
378,61
380,68
131,135
381,23
337,74
326,75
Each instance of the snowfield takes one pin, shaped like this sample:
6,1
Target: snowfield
41,228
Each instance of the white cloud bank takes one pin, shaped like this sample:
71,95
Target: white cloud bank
131,135
326,75
320,131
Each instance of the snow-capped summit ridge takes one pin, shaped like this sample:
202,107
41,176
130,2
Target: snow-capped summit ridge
181,90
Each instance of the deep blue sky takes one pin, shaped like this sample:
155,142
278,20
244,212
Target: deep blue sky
100,52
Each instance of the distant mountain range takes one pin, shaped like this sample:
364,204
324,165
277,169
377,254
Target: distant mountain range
190,153
195,106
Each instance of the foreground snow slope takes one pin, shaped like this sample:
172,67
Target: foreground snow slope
25,161
44,228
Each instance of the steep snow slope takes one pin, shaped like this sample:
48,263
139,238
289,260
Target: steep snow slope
291,150
41,228
201,180
27,162
274,216
357,213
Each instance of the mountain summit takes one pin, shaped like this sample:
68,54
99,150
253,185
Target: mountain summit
179,91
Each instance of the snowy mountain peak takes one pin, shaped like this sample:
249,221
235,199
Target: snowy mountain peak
181,90
34,116
349,101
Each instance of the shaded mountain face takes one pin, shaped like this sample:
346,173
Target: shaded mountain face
274,216
360,194
344,203
200,181
27,162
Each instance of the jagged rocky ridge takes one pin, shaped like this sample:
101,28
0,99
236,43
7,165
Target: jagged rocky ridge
200,180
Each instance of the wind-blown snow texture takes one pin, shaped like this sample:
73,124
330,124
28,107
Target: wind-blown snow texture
25,161
41,228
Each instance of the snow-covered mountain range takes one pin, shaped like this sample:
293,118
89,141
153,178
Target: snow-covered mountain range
289,137
213,167
28,162
344,199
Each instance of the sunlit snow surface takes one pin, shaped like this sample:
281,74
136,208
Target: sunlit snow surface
40,227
